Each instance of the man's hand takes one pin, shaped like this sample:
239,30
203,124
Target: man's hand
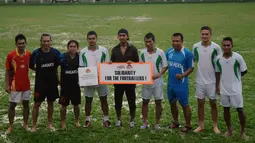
156,76
179,76
8,89
129,62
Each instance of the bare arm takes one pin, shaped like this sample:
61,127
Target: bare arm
163,70
217,74
187,72
7,81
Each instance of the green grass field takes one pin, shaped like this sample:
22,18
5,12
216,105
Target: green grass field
65,22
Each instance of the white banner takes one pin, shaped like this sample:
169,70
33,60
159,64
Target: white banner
123,73
88,76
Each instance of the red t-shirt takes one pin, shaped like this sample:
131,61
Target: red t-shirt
18,67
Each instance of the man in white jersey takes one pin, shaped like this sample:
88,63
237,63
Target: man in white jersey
90,57
229,70
158,59
205,53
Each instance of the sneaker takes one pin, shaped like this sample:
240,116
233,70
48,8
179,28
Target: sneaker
87,124
157,127
132,124
145,126
107,124
118,123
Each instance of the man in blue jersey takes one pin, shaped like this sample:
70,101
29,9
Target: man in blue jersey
180,65
45,61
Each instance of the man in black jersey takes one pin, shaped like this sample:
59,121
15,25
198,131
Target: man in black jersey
45,61
70,89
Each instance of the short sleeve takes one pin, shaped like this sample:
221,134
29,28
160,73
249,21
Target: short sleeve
218,65
33,59
242,64
190,62
164,60
8,62
107,57
81,63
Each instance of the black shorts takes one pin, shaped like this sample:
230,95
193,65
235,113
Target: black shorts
72,94
51,94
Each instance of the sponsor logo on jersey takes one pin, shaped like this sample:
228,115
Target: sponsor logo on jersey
47,65
71,71
22,66
174,64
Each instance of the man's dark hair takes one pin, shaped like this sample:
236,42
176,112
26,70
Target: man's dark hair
206,28
91,33
20,37
150,36
45,35
73,41
228,39
178,34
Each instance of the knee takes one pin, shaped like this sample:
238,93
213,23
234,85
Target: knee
146,101
89,100
13,105
158,102
25,104
37,105
239,110
118,106
213,103
132,106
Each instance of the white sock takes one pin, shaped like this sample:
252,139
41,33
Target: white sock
88,118
106,118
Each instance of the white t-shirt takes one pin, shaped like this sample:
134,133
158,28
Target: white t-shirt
230,69
90,58
205,58
158,60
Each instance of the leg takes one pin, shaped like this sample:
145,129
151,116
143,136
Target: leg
131,97
214,114
118,98
35,114
227,120
145,111
76,110
50,114
88,106
104,105
63,116
201,112
187,115
174,111
158,111
11,115
242,119
25,113
88,111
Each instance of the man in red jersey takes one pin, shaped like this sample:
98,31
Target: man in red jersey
17,80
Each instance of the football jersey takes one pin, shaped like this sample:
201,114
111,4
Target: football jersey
178,63
230,69
90,58
158,60
205,58
46,64
18,67
69,70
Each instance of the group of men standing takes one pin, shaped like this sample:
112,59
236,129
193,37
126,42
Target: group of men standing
217,72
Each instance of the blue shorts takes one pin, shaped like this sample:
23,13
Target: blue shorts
179,93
